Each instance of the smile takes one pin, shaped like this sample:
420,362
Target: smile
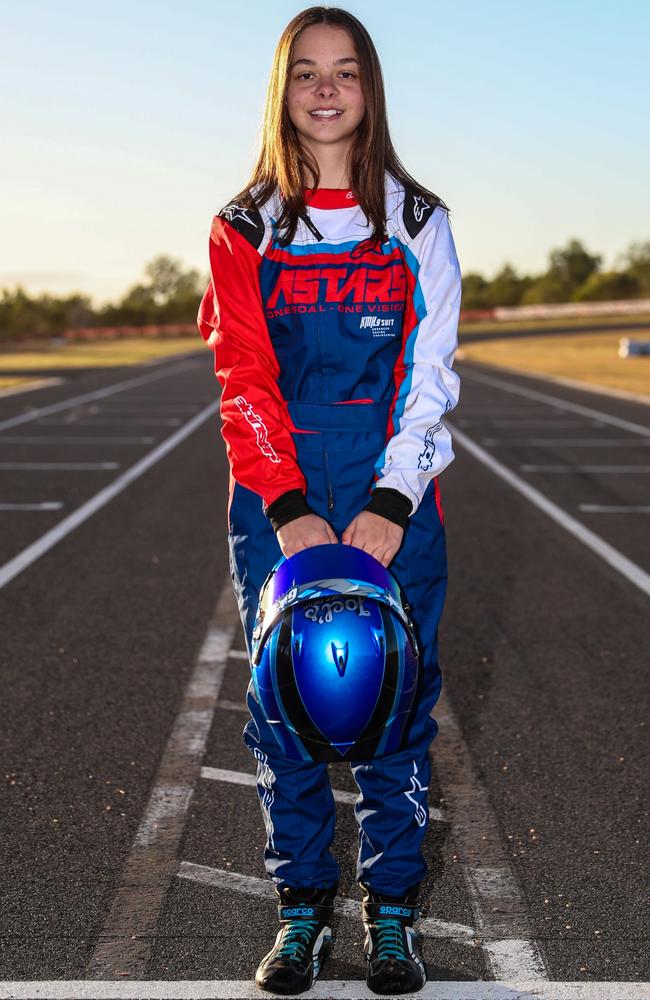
330,113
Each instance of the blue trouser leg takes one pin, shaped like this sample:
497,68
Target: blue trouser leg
296,797
393,809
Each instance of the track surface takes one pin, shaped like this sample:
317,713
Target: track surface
542,654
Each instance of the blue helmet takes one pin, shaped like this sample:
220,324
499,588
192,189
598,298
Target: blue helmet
334,656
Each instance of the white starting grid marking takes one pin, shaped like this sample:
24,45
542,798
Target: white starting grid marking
557,402
597,508
630,570
245,778
323,989
603,442
262,888
43,505
80,439
500,912
516,422
125,942
59,466
91,421
606,470
87,509
86,397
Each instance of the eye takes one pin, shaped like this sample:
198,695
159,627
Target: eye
346,73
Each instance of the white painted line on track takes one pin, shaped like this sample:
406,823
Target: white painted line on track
607,552
323,989
54,441
597,508
601,442
238,654
263,888
549,422
43,505
86,397
37,383
557,401
59,466
87,509
597,469
125,942
232,706
136,407
498,906
87,420
246,778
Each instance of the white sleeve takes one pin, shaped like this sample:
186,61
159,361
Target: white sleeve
426,387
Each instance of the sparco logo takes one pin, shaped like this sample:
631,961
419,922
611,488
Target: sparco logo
258,426
397,911
298,911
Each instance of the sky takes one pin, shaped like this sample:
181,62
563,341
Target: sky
126,126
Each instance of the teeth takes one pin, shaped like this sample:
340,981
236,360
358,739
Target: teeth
325,114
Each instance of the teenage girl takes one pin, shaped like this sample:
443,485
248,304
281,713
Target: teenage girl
332,311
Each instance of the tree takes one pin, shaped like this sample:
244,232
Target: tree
636,263
507,287
607,286
573,264
475,289
168,280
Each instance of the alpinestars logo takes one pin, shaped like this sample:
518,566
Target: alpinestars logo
420,813
425,458
258,426
379,327
265,780
420,206
234,211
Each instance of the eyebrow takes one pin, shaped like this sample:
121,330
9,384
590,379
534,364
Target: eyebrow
337,62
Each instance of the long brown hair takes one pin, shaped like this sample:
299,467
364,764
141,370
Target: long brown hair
281,157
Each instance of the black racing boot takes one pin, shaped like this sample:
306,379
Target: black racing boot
303,943
392,947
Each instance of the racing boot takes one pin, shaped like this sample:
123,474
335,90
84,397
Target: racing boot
392,947
303,943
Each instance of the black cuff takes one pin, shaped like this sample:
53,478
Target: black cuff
391,504
287,507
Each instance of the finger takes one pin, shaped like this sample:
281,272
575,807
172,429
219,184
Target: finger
330,533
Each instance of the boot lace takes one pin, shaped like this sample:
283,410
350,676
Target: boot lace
296,938
390,939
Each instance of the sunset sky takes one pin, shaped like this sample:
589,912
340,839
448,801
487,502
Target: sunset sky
127,125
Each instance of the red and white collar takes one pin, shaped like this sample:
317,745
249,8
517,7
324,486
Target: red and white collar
329,197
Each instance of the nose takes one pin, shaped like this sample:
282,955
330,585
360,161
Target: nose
326,86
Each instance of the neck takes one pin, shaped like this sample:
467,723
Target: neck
332,164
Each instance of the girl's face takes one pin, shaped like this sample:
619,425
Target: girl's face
324,76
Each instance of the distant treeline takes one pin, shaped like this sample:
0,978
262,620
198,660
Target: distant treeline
171,294
168,294
573,275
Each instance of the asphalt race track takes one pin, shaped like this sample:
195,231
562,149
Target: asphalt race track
131,833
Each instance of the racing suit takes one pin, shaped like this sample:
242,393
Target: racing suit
335,357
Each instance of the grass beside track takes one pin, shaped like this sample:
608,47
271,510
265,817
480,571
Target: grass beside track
557,323
586,357
102,354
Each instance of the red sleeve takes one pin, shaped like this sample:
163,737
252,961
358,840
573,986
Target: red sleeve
256,425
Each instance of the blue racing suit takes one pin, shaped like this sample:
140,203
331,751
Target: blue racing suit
335,359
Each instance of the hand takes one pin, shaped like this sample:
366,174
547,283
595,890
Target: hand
374,534
303,532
